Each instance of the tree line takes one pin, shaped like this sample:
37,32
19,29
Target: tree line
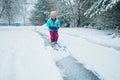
100,14
9,10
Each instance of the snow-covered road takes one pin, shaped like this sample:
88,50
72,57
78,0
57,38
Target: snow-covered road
26,54
96,49
23,56
70,68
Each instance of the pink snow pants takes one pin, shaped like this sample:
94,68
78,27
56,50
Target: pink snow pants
54,36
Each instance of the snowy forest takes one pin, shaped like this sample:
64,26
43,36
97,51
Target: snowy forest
99,14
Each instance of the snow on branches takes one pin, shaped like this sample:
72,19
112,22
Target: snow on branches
100,7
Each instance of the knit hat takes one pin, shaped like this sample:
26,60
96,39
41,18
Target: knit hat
53,13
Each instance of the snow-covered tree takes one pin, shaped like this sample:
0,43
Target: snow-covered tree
64,12
2,7
9,10
71,12
100,7
105,14
41,12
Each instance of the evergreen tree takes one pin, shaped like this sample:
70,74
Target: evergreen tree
100,7
41,12
105,14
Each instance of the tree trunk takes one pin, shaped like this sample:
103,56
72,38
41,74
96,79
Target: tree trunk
9,12
2,11
77,15
9,20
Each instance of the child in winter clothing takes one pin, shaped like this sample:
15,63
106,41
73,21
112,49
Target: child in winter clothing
53,25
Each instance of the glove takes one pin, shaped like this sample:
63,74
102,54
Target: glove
50,27
54,28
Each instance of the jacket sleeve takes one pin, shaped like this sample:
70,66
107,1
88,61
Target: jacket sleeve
58,25
48,23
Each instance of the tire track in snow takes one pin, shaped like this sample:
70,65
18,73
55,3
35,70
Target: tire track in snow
94,42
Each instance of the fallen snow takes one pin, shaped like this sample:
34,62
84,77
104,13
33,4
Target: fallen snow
84,44
96,49
23,56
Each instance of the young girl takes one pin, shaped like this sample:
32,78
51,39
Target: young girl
53,25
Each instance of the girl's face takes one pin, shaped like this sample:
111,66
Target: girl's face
53,17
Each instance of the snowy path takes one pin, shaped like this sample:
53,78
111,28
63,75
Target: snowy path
26,54
70,68
23,56
73,70
95,49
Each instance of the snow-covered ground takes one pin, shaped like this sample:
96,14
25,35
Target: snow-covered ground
96,50
25,53
23,56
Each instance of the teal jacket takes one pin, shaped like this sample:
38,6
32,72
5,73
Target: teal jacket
53,24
